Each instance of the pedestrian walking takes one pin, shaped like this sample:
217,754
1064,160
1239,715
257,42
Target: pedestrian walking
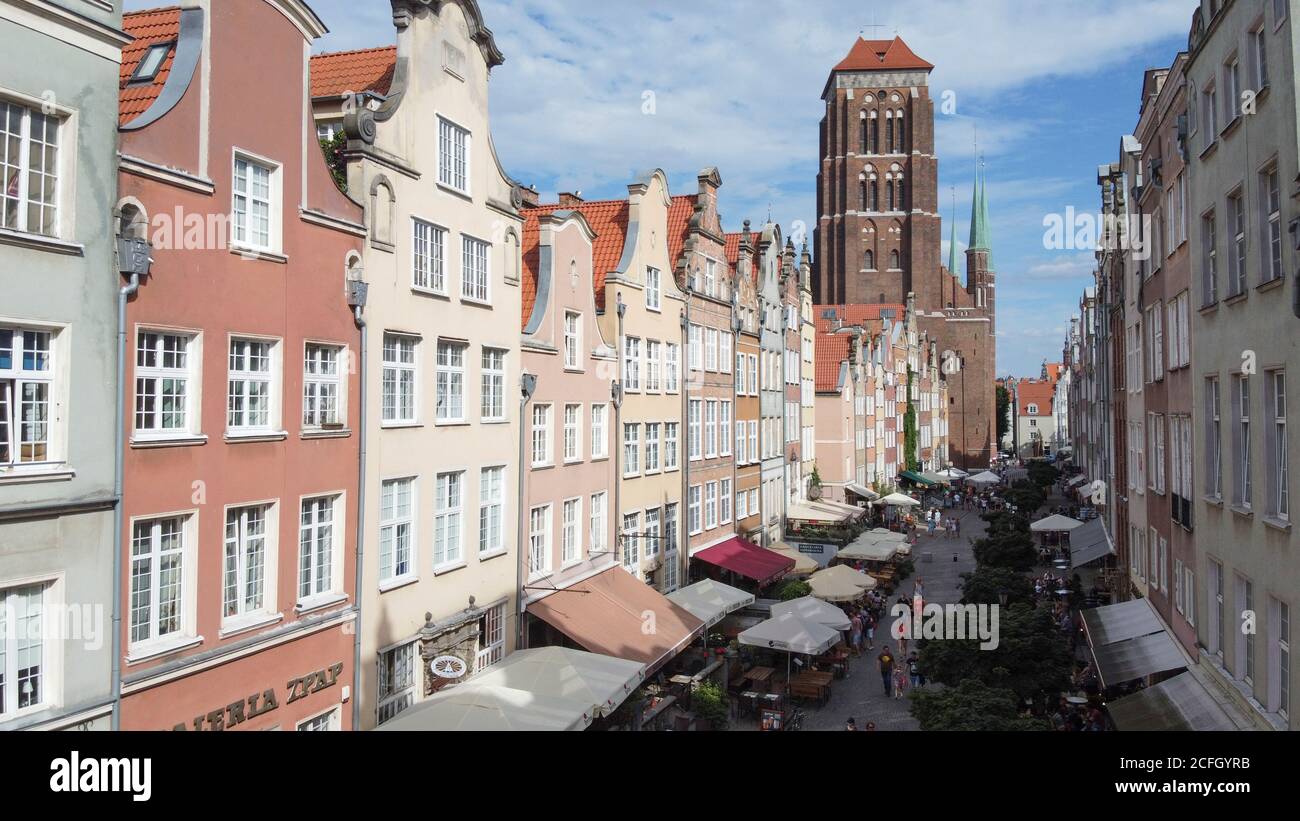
886,661
855,642
900,681
914,670
850,724
870,626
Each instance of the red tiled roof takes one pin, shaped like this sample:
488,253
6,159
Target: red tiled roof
149,28
832,350
680,211
369,69
873,55
1036,392
856,314
607,218
1054,371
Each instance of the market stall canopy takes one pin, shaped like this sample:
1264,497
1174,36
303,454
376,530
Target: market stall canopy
1076,481
1089,543
815,610
1055,524
899,500
803,564
833,506
1120,622
600,682
606,614
863,491
884,534
747,559
710,601
1178,704
1137,658
954,473
792,634
840,583
985,478
488,709
915,477
936,478
870,548
816,513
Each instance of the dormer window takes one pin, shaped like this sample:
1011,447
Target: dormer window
151,63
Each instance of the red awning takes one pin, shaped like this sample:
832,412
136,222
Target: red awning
747,559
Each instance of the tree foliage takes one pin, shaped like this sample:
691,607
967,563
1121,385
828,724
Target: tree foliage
1043,473
986,584
333,150
972,706
1030,658
1004,407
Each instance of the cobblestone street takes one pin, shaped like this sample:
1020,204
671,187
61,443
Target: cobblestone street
861,695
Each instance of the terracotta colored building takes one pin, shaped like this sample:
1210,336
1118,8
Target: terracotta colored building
697,246
242,403
569,481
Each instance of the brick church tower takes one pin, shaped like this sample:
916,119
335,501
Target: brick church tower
879,233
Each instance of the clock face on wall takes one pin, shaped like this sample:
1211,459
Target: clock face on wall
448,667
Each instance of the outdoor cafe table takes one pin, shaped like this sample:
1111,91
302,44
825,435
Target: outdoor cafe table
817,679
760,675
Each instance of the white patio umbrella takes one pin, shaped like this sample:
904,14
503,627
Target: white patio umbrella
793,635
815,610
954,473
479,708
1055,524
985,478
899,500
710,601
599,682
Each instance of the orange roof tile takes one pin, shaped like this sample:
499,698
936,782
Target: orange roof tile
607,218
874,55
149,28
832,350
340,72
1036,392
680,211
1054,371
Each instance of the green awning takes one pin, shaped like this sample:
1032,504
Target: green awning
916,478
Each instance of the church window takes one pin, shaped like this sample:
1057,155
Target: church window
893,260
869,261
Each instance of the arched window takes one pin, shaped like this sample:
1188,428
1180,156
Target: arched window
889,132
889,193
866,124
901,134
875,195
902,202
893,260
869,260
874,123
865,204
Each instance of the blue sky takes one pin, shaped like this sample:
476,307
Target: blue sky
1051,84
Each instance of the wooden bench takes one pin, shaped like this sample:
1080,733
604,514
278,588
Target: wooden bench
808,692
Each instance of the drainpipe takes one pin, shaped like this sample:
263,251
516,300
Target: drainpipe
119,517
357,300
735,401
527,385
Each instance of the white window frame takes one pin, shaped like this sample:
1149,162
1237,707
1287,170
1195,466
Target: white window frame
570,531
475,270
186,532
631,450
321,521
599,431
320,386
272,201
264,604
653,290
492,385
448,376
399,528
428,257
455,161
572,433
542,451
449,519
189,374
539,542
272,377
573,358
402,373
491,511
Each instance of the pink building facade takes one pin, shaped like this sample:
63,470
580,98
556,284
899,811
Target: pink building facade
243,408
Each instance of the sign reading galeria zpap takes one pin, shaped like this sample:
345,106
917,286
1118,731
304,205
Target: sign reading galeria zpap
223,718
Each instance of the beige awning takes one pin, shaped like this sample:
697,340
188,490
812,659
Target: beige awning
599,682
870,548
489,709
803,564
818,515
840,583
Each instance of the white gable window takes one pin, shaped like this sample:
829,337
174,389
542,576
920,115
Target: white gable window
474,276
255,190
428,257
29,164
453,155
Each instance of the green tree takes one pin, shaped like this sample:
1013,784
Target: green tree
972,706
333,150
986,584
1031,657
1004,407
1043,473
1008,548
793,589
909,427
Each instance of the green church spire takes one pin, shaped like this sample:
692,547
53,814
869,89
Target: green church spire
979,218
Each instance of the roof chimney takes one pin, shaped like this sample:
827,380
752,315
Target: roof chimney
570,199
530,196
